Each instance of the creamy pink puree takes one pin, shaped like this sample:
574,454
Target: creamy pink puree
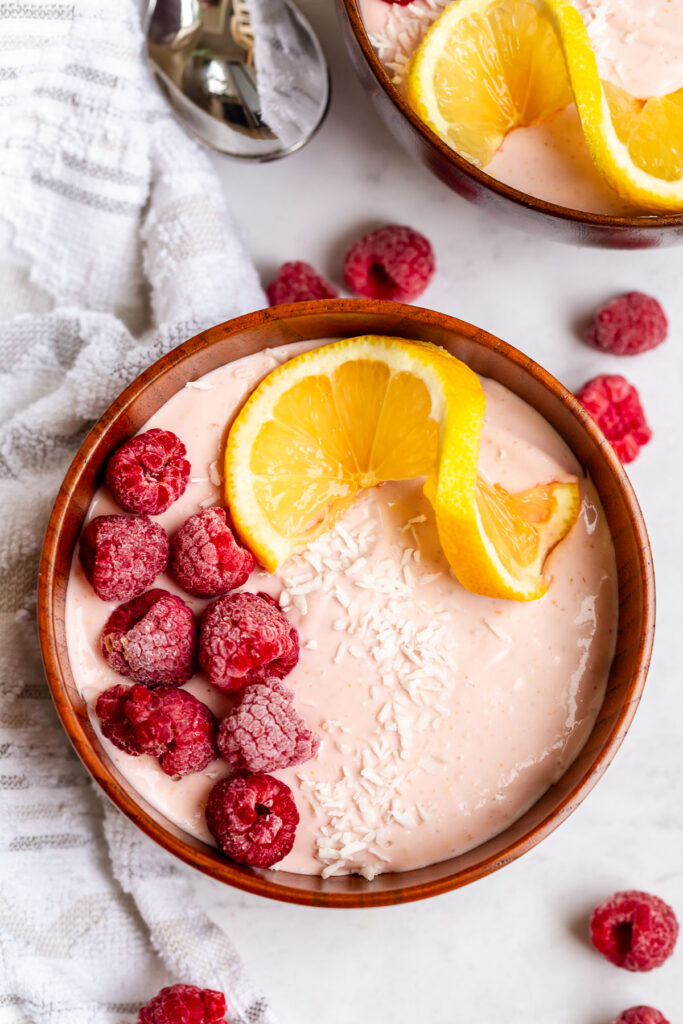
444,715
638,45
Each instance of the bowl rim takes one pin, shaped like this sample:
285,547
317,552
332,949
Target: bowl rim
267,883
645,222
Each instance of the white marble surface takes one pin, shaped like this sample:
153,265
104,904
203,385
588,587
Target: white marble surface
510,948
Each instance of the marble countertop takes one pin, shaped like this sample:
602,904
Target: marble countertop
512,947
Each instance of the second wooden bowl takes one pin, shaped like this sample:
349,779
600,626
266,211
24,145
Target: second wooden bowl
526,211
487,356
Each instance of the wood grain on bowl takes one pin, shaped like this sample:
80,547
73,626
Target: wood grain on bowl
527,212
488,356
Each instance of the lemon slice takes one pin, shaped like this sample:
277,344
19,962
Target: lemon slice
352,414
636,144
484,68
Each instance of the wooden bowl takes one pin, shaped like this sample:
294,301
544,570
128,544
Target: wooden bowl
488,356
529,213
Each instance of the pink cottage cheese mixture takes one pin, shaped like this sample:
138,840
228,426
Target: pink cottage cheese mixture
639,47
443,715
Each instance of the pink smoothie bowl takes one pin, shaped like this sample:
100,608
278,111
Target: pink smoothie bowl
527,212
489,357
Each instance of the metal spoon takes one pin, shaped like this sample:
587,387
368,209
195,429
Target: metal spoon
203,57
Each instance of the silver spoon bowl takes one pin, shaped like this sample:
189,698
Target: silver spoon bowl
203,57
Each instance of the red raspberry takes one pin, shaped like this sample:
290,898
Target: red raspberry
253,818
149,472
122,555
631,324
132,718
264,732
245,638
393,262
194,726
641,1015
634,930
298,282
206,558
152,639
185,1004
615,406
170,724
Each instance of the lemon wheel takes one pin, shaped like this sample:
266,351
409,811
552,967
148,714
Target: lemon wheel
358,412
486,67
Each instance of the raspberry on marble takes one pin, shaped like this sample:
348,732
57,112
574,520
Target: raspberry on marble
393,262
122,555
253,818
298,282
152,639
641,1015
629,325
149,472
634,930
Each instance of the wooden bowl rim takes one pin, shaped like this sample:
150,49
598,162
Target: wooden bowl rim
645,222
268,883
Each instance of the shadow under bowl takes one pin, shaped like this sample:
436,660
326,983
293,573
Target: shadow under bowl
489,357
525,211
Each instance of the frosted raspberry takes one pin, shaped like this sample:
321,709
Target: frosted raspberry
253,818
206,558
298,282
194,726
152,639
634,930
641,1015
149,472
122,555
631,324
170,724
264,732
393,262
185,1004
615,406
132,718
245,638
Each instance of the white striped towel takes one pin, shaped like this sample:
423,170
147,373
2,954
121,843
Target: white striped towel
114,246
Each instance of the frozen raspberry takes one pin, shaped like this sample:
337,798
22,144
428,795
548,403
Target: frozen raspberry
298,282
253,818
634,930
628,325
185,1004
122,555
393,262
264,732
152,639
615,406
149,472
206,557
641,1015
132,718
168,723
245,638
193,744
